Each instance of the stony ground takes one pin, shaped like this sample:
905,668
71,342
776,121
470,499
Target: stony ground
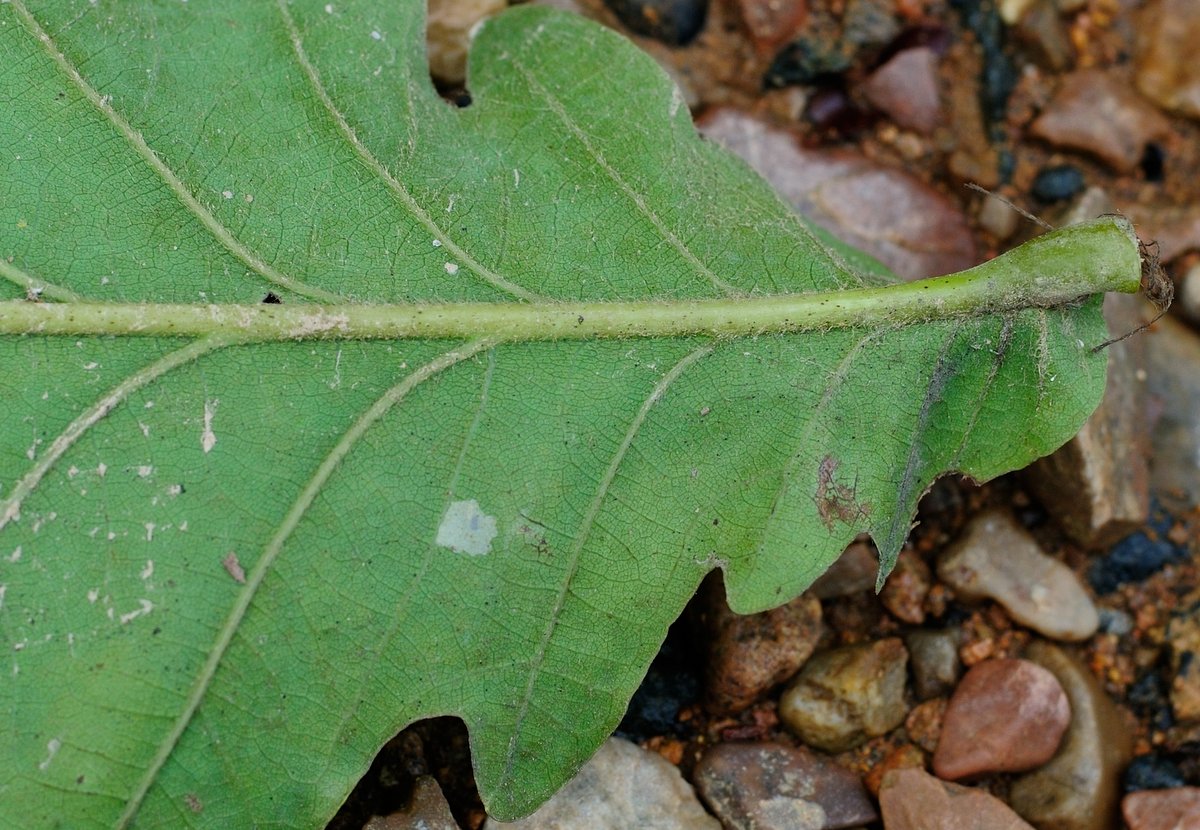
1032,660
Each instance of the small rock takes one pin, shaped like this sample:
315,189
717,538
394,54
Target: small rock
1005,716
1188,295
772,22
846,695
1151,772
1116,622
427,810
997,218
924,723
906,89
906,588
1097,112
1044,37
773,787
1137,556
448,34
905,224
1183,638
1057,183
1097,485
1177,809
851,573
1078,788
748,655
913,799
905,756
1167,70
1173,376
622,786
673,22
996,558
935,661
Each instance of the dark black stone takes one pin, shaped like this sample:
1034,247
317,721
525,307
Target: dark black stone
672,683
1152,162
1152,772
1137,556
807,61
673,22
1058,183
1148,698
999,74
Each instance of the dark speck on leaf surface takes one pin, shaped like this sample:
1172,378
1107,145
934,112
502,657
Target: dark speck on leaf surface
272,299
1055,184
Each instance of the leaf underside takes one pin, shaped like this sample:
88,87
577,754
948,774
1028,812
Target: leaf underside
228,574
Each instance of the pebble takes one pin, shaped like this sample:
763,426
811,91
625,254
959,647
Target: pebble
1167,70
905,756
845,696
1005,716
912,799
1097,485
997,218
891,215
996,558
1173,376
906,88
427,810
622,786
1151,772
448,35
1079,788
906,588
673,22
771,23
750,654
935,661
851,573
1188,294
924,723
766,786
1058,183
1099,113
1183,640
1176,809
1043,36
1137,556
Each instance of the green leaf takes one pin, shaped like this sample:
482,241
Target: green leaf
242,549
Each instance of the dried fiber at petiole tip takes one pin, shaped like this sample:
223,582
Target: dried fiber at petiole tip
1157,287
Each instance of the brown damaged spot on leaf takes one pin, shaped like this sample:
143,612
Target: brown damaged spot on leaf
234,568
837,502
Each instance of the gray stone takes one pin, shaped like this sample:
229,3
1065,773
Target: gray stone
847,695
996,558
763,786
1173,378
935,661
1079,788
851,573
622,786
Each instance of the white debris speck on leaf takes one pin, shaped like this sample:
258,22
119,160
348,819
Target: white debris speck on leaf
145,607
174,489
228,194
147,571
101,469
375,35
437,243
72,471
208,438
3,589
145,428
328,8
466,529
145,470
451,268
234,568
52,747
15,556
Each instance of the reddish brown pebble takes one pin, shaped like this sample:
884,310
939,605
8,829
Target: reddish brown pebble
1005,716
906,756
906,88
906,588
1176,809
765,786
912,799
